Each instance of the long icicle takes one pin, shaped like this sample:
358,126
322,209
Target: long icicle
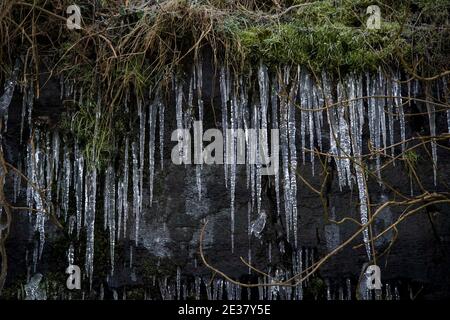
224,90
356,108
292,149
263,80
285,153
397,92
126,169
231,153
79,183
432,122
274,106
152,114
89,220
110,209
142,130
161,110
446,100
136,190
199,85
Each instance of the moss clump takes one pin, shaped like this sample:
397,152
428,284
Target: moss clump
323,36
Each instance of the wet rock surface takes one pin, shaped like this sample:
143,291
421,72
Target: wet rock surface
417,262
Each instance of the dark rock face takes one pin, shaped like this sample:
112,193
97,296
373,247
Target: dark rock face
417,263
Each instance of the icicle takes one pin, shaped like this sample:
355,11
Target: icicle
79,183
263,149
274,102
5,99
311,121
110,209
447,98
374,120
48,167
55,148
197,286
348,285
30,172
305,88
179,116
390,112
292,151
161,108
333,124
142,118
37,179
327,282
199,89
396,91
380,104
231,153
17,182
207,284
25,101
71,255
136,190
188,112
198,179
249,234
396,293
356,110
318,102
344,139
253,153
199,78
178,283
224,90
67,170
247,125
284,140
89,220
297,268
356,124
151,146
388,295
303,113
432,122
30,103
400,111
263,80
126,169
119,207
363,206
448,120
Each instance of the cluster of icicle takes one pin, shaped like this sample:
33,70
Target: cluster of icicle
55,160
292,100
280,95
213,289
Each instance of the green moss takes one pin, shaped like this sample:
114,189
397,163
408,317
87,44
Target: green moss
322,36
